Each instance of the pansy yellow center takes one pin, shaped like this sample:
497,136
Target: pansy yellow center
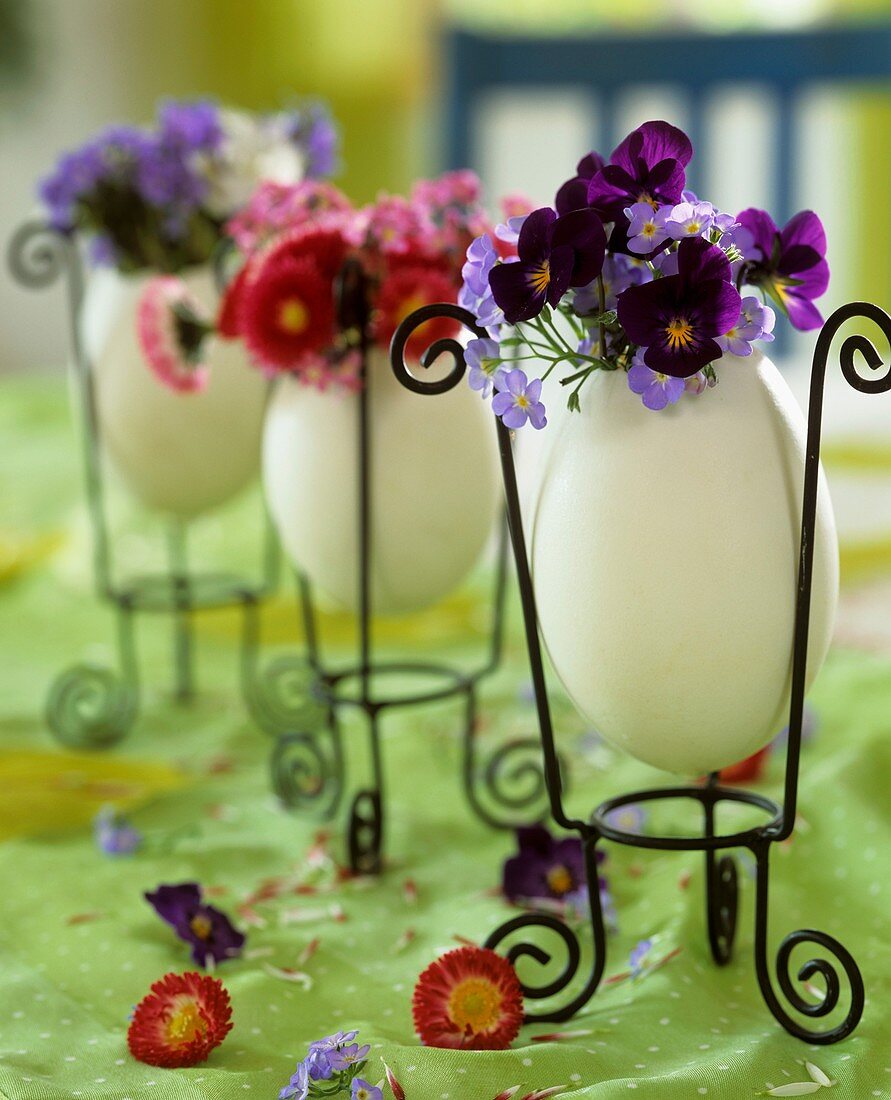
540,277
475,1006
201,926
645,196
679,332
184,1024
293,315
560,880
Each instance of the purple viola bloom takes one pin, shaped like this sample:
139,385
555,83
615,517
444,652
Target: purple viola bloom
518,399
347,1055
648,166
619,272
647,228
544,867
689,219
698,383
555,253
638,957
655,390
483,356
210,932
573,195
333,1055
676,318
789,264
362,1090
631,818
475,294
298,1087
509,231
114,834
755,322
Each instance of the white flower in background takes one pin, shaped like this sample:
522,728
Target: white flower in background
252,150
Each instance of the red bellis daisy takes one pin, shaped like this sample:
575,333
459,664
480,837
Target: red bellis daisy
404,290
468,999
182,1019
287,312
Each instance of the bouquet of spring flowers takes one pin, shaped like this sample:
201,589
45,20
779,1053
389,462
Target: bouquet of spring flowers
157,198
630,271
294,241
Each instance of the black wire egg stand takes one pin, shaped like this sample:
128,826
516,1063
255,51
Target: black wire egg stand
505,787
721,874
294,697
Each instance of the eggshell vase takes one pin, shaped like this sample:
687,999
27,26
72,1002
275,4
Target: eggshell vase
434,484
665,553
178,453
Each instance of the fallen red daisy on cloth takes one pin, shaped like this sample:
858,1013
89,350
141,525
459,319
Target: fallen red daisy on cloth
182,1019
468,999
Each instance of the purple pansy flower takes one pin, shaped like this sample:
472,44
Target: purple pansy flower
483,356
755,322
114,834
676,318
573,195
555,253
648,166
647,227
518,399
298,1087
362,1090
475,294
656,390
210,932
544,867
788,263
689,219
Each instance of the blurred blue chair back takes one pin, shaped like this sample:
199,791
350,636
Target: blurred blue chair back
693,66
607,66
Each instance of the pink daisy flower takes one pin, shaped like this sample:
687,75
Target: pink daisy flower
172,329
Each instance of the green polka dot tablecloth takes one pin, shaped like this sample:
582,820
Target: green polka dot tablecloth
80,947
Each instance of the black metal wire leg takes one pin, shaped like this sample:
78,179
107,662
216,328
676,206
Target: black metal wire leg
813,1008
508,790
365,831
570,941
721,889
92,706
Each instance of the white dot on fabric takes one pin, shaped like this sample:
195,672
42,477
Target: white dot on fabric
702,1091
665,1021
653,1050
527,1061
575,1077
632,1084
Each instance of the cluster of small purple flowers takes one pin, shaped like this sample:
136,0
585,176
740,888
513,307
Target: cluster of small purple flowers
332,1068
644,276
157,198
